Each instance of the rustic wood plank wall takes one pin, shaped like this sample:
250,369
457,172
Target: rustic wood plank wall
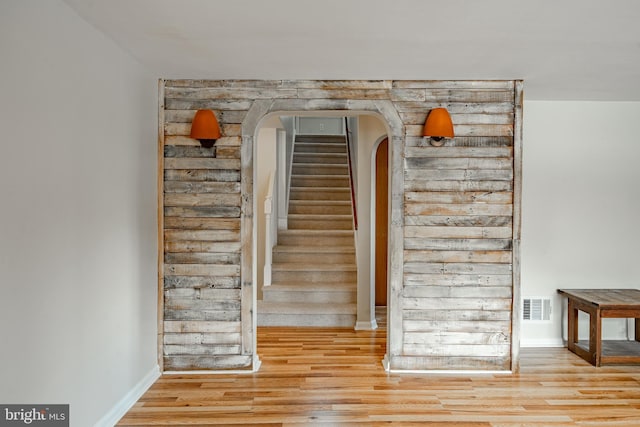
452,284
201,236
457,291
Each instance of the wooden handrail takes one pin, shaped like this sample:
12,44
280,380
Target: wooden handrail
353,191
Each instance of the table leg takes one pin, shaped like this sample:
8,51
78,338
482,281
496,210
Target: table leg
595,334
572,326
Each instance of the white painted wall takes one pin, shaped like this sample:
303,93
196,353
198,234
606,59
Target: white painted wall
370,130
78,229
77,214
581,205
265,164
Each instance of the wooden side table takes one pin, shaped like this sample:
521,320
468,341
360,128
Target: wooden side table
599,304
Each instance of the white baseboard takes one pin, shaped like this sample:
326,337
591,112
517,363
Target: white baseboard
544,342
385,363
366,325
112,417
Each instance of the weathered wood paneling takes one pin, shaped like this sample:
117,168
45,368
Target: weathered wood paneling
455,218
458,234
201,206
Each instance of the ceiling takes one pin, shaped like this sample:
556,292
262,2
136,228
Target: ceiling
562,49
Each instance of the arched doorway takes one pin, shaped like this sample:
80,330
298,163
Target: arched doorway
367,130
449,206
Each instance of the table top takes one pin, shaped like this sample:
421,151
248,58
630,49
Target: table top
605,298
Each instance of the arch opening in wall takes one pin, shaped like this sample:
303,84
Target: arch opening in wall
269,155
454,223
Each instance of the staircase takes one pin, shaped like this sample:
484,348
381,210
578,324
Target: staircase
314,265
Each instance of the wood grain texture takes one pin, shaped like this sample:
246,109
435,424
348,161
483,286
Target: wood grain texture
455,209
201,201
517,223
458,211
333,377
160,215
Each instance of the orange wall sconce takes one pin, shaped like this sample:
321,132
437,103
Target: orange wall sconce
438,126
205,128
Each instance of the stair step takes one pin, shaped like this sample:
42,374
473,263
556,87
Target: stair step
334,293
320,158
315,237
320,147
317,254
344,250
309,308
320,217
317,287
320,180
303,256
278,296
306,314
319,193
313,267
313,276
325,139
320,222
319,225
319,169
316,207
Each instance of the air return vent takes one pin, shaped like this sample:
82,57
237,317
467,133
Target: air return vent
536,309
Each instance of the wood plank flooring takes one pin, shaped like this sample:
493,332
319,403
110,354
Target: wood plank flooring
334,377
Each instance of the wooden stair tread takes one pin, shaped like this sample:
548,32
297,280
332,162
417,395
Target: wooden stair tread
321,202
315,249
315,154
312,232
305,308
320,176
320,165
292,266
321,216
330,139
341,189
317,287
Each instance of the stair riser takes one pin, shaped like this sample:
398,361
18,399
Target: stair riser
314,276
316,320
320,258
300,208
290,240
303,169
320,159
311,194
321,148
323,139
311,181
304,297
309,224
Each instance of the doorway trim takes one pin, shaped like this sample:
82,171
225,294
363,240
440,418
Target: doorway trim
396,131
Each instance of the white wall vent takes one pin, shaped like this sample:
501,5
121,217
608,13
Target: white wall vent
536,309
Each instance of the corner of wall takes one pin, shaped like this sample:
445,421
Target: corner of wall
114,415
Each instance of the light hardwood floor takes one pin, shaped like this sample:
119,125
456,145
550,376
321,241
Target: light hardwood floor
334,377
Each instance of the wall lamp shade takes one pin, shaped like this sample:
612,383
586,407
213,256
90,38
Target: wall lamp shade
205,128
437,126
